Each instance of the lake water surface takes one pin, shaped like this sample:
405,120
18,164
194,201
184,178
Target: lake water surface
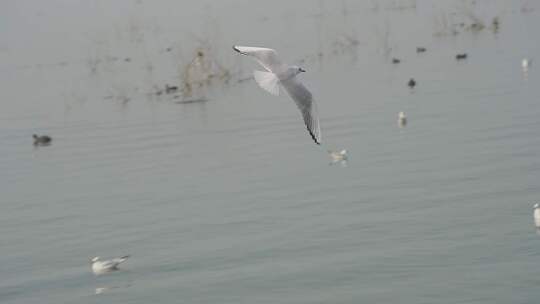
222,197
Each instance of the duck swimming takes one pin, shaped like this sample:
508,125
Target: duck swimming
411,83
41,140
170,89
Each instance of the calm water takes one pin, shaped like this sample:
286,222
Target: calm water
228,200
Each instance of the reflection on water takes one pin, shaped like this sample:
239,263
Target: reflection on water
107,289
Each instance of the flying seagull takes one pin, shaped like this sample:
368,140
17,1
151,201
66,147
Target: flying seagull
280,73
103,266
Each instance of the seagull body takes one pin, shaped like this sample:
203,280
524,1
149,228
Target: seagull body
278,73
402,119
536,214
103,266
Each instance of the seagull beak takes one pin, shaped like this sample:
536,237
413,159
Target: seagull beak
301,70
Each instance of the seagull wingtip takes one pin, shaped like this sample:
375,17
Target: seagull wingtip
237,49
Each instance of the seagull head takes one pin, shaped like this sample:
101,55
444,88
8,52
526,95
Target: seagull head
295,70
536,206
95,259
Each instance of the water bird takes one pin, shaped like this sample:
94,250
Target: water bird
338,155
395,61
420,49
411,83
103,266
402,119
536,215
526,63
461,56
170,89
41,140
476,26
495,24
279,73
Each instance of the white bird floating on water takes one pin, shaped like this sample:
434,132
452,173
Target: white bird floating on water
536,214
526,63
402,119
338,156
104,266
280,73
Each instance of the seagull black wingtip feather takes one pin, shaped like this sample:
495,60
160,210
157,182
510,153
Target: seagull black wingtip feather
313,136
237,50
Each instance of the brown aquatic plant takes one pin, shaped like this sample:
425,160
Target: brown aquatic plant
202,71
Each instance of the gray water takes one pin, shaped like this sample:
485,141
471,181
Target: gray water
224,198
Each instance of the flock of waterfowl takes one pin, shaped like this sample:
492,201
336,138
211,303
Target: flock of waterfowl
278,74
402,118
462,56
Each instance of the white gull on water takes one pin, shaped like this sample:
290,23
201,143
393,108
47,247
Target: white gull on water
280,73
103,266
526,63
536,215
402,119
338,155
